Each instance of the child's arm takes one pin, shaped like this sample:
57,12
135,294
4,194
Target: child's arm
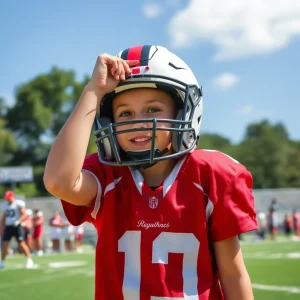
233,274
63,176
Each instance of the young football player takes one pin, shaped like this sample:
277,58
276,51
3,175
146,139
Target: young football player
167,216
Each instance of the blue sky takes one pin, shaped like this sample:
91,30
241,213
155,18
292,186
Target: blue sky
245,54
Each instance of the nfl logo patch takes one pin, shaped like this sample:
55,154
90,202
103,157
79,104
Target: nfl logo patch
153,202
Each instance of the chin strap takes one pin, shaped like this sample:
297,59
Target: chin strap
140,155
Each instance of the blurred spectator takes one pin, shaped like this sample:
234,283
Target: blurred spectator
56,225
67,234
79,230
38,223
296,223
262,225
288,224
27,226
274,206
272,223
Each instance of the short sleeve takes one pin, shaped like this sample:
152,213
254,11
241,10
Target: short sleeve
77,215
21,203
234,213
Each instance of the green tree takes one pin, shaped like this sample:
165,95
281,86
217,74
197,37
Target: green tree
42,106
264,151
293,166
8,143
213,141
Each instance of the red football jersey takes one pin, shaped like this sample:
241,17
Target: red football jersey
38,229
157,244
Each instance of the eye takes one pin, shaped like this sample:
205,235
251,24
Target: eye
124,114
153,110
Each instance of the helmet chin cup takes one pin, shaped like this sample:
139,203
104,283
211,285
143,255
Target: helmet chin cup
143,155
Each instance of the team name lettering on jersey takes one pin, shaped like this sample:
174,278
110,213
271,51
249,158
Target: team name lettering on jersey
143,224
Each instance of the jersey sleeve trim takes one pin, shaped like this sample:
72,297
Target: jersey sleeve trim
209,205
98,196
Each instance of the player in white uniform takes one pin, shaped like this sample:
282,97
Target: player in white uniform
14,214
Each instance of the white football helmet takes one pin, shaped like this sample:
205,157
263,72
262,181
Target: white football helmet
158,68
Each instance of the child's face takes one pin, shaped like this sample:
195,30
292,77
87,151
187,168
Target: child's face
143,104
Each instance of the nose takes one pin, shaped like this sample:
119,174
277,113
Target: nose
141,124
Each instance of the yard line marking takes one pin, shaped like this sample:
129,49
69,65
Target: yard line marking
66,264
276,288
262,255
20,267
266,242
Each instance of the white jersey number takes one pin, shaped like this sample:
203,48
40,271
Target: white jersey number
165,243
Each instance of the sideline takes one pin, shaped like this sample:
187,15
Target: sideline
276,288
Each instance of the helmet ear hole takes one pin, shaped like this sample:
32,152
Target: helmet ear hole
175,134
187,137
101,123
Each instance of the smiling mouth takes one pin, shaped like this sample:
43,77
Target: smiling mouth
141,139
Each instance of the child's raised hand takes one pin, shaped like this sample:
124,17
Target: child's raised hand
108,72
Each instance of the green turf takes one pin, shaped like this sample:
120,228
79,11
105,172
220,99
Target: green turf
271,265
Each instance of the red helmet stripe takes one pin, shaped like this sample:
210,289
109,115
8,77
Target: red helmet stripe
135,53
141,53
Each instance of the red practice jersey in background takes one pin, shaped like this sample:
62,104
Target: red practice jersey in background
157,244
38,229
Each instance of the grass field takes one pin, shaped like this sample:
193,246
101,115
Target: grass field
274,268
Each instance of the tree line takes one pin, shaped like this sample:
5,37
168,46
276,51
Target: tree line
28,128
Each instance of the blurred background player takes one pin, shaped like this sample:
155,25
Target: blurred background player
56,225
67,234
288,224
296,223
27,226
79,230
14,214
38,223
262,225
273,219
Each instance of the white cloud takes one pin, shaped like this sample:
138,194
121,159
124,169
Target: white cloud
226,81
152,10
246,110
237,28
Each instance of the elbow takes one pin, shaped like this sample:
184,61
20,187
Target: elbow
49,184
53,186
58,186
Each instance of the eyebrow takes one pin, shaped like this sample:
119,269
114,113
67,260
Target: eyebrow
147,102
